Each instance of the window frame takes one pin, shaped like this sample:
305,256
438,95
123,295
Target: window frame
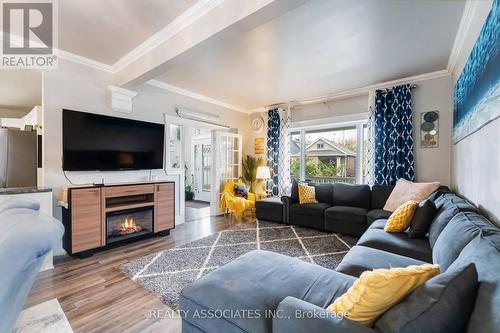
359,124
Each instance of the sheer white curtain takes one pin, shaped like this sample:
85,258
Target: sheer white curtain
370,141
284,180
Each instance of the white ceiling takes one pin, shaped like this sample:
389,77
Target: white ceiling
20,91
106,30
323,46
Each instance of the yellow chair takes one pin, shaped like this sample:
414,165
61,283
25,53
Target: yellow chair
236,205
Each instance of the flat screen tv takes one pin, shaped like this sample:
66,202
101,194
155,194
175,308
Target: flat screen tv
102,143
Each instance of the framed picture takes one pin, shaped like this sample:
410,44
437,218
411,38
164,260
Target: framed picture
429,129
259,146
477,90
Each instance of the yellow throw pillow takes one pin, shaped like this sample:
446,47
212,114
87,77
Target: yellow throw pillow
307,194
377,291
401,218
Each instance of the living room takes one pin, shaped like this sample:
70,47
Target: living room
250,166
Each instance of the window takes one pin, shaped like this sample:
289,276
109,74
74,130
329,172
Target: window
295,155
328,155
174,146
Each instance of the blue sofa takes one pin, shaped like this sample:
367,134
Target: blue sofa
26,237
266,282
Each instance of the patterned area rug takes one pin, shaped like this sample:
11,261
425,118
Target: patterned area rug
167,272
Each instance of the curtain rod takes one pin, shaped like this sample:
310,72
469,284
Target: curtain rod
412,86
292,104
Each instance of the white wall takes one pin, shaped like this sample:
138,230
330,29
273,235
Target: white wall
476,159
82,88
432,164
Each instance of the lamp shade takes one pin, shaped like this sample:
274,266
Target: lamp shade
263,172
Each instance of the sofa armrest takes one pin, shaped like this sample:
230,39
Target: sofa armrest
298,316
287,202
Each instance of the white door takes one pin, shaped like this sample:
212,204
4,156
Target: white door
227,156
202,168
174,164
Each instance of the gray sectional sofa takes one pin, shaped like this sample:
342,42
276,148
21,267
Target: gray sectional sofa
268,292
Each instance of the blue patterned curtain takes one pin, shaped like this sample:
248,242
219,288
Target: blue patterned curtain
393,135
273,147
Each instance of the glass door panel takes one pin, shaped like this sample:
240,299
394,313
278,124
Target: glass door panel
227,159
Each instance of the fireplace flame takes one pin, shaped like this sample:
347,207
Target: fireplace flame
129,226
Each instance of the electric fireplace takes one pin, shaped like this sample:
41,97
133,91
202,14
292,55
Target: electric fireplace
128,224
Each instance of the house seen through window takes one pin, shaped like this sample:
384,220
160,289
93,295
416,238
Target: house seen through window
327,155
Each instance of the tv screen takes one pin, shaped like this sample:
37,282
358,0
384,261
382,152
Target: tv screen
103,143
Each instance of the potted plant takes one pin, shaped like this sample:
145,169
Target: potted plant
249,166
189,192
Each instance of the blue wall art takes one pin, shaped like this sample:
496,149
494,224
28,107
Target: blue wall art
477,92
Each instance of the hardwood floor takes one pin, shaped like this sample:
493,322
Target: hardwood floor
97,297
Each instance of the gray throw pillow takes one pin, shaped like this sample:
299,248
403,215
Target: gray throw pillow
425,213
442,304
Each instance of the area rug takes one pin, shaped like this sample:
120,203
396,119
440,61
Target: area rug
167,272
46,317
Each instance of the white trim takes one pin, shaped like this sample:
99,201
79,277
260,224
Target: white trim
191,94
66,55
359,147
360,91
84,61
121,99
463,29
175,119
192,14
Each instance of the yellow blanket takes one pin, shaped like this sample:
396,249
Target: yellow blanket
235,204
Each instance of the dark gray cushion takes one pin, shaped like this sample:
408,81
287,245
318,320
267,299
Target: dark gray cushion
258,281
484,252
442,304
425,213
378,224
351,214
442,218
351,195
398,243
376,214
294,194
313,209
324,193
270,209
379,195
346,220
361,258
298,316
462,228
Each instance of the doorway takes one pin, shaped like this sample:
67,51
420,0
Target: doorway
200,158
198,168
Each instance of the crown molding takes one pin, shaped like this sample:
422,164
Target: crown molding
463,29
359,91
188,93
67,55
192,14
84,61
